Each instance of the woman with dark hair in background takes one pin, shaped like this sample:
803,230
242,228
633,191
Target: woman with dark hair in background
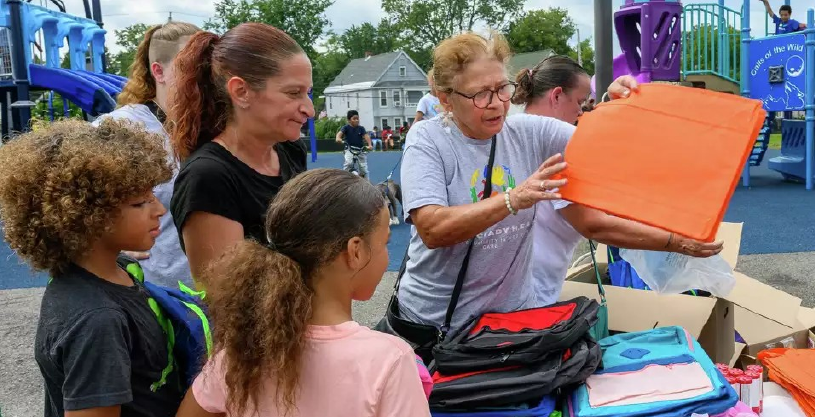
558,87
237,108
144,100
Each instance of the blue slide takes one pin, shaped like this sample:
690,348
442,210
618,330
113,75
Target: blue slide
117,81
91,95
109,87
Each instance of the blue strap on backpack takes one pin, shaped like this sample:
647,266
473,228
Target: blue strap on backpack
183,317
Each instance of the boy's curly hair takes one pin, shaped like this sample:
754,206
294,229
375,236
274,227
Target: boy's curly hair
61,187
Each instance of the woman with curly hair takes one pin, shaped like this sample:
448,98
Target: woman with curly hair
239,103
286,343
143,100
72,197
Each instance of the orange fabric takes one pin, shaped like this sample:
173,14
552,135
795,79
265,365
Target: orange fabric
668,156
794,370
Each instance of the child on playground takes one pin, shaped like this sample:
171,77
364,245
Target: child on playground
783,21
72,197
285,341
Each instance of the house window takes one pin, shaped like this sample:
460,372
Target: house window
330,102
403,71
383,99
397,122
413,97
397,98
411,120
385,122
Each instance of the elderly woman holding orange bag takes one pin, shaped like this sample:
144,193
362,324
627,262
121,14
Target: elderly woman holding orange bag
557,87
472,182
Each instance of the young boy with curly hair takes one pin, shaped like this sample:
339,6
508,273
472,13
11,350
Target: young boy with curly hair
72,197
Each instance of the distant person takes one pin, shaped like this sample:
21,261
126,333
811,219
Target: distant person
376,138
429,105
784,23
403,131
144,100
73,197
387,137
355,136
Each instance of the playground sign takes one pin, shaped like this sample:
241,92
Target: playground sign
777,66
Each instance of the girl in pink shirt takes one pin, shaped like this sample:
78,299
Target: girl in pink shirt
285,342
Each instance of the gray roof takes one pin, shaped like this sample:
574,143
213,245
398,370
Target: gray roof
362,70
527,60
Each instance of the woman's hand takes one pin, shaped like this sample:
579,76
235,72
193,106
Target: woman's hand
540,185
695,248
622,87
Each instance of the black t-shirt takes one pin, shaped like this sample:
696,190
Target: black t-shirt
212,180
354,135
99,344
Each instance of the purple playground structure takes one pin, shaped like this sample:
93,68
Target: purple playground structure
650,38
708,45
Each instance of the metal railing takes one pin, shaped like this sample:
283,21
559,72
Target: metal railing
5,54
711,41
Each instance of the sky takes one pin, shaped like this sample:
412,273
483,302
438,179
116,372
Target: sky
118,14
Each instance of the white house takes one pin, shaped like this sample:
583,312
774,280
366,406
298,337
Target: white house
385,89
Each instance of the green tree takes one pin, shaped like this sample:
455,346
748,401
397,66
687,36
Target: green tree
428,22
586,55
327,128
40,112
380,39
326,66
701,48
538,30
303,20
128,40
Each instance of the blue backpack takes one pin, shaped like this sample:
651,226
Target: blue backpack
663,346
182,314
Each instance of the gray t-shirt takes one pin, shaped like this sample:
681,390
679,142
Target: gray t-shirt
99,344
167,263
443,167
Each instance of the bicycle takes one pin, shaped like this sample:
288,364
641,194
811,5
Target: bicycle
355,151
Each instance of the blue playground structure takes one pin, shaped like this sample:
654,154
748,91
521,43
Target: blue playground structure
86,84
778,70
24,26
710,46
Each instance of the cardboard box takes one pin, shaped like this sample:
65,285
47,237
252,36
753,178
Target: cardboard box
764,316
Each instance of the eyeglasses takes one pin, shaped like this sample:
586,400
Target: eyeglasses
482,99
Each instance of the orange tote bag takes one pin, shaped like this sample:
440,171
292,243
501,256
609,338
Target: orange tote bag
668,156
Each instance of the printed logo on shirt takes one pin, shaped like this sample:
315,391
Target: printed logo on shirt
501,179
496,237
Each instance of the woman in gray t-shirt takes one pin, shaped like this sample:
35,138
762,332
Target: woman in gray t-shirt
443,179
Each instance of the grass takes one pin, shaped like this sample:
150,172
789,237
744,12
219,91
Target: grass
775,141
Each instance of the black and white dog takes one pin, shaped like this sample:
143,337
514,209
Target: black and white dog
391,192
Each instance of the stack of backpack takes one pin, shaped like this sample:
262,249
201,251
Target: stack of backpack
659,372
510,364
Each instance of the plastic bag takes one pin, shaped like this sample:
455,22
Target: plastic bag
673,273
